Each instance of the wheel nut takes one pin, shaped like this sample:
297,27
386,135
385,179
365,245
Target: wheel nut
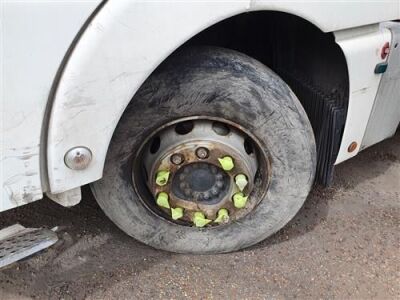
162,200
176,213
199,220
202,152
222,216
219,184
239,200
177,159
214,191
226,163
241,181
162,178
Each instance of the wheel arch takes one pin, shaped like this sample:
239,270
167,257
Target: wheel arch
115,55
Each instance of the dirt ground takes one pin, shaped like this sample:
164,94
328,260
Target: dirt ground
344,244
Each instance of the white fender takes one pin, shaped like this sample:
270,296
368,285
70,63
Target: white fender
126,41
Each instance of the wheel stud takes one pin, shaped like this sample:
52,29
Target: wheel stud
241,181
226,163
206,195
199,220
177,159
176,213
222,216
162,200
162,178
239,200
202,152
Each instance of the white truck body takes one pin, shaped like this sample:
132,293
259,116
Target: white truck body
69,69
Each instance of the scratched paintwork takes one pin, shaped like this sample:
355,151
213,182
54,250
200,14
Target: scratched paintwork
33,49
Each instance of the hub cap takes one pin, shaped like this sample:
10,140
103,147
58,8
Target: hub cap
200,172
201,182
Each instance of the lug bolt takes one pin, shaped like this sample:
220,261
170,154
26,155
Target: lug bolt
223,216
162,200
162,177
239,200
177,159
176,213
226,163
199,220
202,152
241,181
214,191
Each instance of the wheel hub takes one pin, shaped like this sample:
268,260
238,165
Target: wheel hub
201,172
202,182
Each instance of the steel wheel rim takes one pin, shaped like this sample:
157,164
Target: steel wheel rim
255,164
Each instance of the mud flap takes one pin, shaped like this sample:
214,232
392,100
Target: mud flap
327,115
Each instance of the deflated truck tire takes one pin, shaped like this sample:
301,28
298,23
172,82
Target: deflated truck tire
216,83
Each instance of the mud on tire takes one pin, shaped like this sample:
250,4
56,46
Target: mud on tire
216,82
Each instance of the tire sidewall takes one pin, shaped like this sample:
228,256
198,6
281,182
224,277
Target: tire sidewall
217,83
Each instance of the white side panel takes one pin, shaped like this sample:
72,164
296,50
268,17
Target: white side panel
128,39
362,49
35,38
385,116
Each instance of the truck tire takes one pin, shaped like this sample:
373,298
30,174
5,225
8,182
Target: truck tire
246,116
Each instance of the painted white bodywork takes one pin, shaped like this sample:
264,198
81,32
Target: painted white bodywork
35,37
123,44
362,49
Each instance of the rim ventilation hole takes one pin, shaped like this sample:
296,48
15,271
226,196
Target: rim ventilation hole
220,128
248,146
155,145
257,177
184,127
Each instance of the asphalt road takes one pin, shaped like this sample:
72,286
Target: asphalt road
343,244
